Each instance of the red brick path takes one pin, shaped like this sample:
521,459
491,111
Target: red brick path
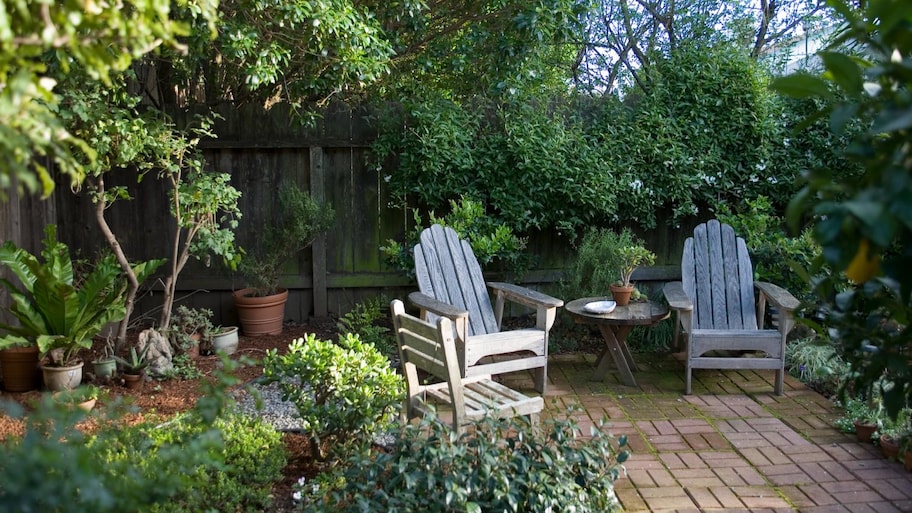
732,446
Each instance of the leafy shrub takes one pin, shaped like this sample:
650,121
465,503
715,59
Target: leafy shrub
506,465
816,363
597,262
777,258
491,241
343,392
184,368
364,320
857,409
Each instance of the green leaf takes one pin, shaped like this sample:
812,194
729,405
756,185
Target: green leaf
844,71
801,86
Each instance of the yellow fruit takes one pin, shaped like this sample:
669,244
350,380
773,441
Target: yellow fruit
863,266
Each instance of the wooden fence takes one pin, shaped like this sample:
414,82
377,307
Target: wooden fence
262,150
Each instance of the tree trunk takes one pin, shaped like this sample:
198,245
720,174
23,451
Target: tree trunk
132,281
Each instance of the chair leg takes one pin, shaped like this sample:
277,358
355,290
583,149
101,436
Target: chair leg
541,379
688,374
780,378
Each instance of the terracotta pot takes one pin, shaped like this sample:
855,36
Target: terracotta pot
621,294
889,446
19,367
863,432
907,460
62,378
260,315
226,341
193,351
134,381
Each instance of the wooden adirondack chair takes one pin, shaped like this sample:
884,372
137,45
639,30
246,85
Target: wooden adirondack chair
716,306
451,285
432,348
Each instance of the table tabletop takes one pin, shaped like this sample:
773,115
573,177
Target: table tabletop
636,313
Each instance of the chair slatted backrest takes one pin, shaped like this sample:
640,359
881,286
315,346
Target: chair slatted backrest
718,277
429,347
447,270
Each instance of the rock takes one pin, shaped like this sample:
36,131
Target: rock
159,355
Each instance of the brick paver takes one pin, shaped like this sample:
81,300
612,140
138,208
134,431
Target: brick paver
731,446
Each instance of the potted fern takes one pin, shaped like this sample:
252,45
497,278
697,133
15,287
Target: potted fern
58,311
300,219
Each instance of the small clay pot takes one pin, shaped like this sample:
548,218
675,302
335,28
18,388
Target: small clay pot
864,431
889,446
133,381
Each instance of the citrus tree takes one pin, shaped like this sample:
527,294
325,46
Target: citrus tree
864,223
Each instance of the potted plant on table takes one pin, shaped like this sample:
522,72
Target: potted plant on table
299,220
58,311
629,254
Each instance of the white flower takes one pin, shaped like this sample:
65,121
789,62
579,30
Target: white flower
772,180
636,184
296,496
301,481
760,166
387,178
786,142
754,179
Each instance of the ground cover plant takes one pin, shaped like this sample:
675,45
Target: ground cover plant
503,465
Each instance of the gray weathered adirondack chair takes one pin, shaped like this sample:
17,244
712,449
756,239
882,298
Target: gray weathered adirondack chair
717,309
432,348
452,285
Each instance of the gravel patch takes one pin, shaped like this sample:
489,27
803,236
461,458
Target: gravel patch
283,415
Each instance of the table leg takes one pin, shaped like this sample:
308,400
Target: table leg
619,353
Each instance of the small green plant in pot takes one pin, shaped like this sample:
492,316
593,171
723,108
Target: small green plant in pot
189,328
134,366
299,220
105,366
59,311
629,254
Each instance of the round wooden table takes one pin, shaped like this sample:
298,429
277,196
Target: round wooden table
615,327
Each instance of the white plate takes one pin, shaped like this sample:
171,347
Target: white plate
600,307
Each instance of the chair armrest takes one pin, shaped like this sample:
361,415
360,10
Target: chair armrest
528,297
676,297
428,304
782,299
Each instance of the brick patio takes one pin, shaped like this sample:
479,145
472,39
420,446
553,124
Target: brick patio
732,446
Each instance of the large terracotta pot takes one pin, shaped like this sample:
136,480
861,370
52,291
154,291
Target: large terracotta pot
19,367
260,315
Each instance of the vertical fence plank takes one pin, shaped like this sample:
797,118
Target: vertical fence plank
319,245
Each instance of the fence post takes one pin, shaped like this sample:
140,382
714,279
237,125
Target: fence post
319,244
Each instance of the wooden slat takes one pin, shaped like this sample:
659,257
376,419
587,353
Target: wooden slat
746,280
716,276
702,279
730,275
